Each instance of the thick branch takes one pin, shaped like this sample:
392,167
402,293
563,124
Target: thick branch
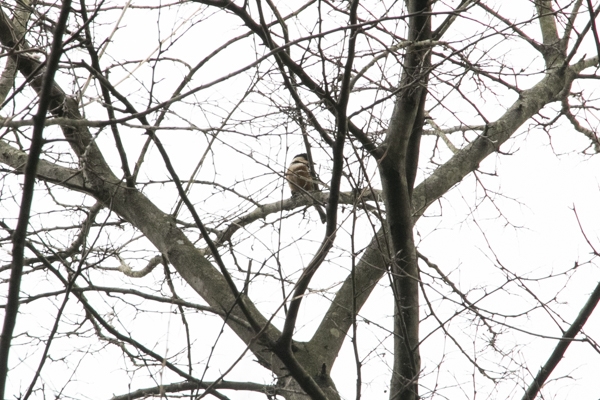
373,264
137,209
50,172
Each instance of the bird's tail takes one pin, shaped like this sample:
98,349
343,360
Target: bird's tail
321,213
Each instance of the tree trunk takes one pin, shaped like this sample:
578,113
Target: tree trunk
398,169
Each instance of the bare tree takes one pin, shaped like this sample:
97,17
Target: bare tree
154,139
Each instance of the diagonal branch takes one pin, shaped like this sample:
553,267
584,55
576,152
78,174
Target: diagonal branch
137,209
563,345
313,86
373,264
45,101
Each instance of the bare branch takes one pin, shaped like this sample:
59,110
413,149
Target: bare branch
562,346
35,150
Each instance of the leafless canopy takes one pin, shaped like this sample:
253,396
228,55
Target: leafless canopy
150,246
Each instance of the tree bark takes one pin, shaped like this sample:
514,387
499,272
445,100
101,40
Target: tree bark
398,168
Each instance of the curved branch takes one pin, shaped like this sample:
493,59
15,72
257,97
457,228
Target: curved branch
269,390
591,135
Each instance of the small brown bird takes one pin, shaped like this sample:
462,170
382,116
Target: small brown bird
301,181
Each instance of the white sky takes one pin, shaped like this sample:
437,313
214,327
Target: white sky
537,234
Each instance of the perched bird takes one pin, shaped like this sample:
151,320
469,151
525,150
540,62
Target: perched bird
299,177
301,181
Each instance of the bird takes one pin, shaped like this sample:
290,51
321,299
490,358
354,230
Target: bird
300,180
